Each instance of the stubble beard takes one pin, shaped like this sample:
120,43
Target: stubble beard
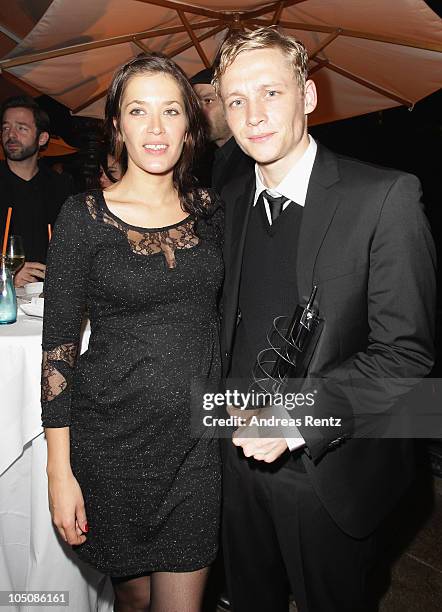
22,152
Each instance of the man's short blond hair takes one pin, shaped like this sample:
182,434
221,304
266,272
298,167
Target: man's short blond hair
263,38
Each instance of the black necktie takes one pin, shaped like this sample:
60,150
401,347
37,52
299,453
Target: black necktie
275,204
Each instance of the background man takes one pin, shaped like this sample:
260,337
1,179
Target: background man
228,160
304,512
35,192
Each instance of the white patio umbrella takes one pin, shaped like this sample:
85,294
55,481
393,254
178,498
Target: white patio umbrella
365,56
16,21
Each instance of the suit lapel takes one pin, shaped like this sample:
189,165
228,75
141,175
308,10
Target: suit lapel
320,207
235,249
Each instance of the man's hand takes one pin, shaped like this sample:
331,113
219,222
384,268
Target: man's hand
31,272
261,449
247,436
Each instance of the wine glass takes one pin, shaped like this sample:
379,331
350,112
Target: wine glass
15,254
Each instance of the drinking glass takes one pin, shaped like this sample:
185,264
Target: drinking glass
15,254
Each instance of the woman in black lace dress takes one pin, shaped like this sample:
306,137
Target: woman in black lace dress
129,486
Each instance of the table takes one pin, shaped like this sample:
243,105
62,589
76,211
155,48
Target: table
32,556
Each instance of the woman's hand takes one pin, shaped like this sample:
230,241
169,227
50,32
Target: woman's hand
67,507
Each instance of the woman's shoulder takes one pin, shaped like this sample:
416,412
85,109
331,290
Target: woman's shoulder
206,198
210,214
85,202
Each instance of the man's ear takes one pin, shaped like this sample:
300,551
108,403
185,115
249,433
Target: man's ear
43,139
310,97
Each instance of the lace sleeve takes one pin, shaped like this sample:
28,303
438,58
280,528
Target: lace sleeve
65,299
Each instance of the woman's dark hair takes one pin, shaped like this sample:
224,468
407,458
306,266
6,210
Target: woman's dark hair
152,63
104,164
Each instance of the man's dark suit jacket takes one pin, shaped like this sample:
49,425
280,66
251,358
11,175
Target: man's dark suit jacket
365,242
229,163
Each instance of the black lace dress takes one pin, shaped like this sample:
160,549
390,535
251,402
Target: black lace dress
151,487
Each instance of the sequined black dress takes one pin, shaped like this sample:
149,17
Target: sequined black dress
151,489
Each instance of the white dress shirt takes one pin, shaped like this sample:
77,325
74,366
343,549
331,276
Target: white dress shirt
294,187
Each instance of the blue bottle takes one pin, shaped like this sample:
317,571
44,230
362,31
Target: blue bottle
8,300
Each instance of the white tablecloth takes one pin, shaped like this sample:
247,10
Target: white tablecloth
32,556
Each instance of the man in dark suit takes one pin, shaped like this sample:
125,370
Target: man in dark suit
302,510
226,159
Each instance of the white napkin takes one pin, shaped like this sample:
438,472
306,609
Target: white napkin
34,308
33,288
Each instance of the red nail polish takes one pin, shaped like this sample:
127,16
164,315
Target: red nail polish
86,528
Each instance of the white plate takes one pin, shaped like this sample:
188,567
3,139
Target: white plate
35,308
